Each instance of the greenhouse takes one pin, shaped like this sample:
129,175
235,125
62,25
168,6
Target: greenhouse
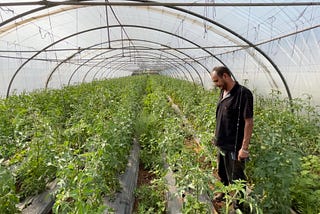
109,106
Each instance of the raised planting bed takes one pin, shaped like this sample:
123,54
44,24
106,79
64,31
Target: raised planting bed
124,200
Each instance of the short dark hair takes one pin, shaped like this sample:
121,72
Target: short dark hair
220,70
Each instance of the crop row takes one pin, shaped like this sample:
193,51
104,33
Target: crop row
285,146
166,139
79,136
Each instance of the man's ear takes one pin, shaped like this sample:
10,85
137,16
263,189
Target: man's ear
224,76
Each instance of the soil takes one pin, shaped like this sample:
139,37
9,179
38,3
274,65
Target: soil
144,178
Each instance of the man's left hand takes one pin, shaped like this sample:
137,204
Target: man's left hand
243,154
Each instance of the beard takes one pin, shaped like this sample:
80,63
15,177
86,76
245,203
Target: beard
223,85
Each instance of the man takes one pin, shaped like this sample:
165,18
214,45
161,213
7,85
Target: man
234,124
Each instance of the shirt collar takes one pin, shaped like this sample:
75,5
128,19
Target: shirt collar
234,88
231,92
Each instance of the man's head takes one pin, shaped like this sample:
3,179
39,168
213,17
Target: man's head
221,77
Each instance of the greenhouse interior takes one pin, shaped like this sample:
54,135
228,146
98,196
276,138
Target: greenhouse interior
109,106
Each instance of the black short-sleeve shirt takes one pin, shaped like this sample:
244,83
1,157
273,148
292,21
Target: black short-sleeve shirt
228,115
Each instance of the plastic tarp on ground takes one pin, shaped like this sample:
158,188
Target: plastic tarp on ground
266,44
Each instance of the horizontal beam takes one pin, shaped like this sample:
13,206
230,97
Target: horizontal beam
131,48
181,4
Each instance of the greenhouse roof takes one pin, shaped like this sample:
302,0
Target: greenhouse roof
268,45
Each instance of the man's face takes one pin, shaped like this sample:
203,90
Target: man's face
218,81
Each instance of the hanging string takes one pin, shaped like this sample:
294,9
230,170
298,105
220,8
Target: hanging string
272,20
55,53
179,32
276,51
213,10
247,35
297,28
294,42
6,10
301,14
182,22
122,45
256,33
205,14
108,29
248,19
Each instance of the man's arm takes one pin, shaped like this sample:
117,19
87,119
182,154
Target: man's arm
248,127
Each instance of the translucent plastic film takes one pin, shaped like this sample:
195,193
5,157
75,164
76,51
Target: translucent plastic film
268,46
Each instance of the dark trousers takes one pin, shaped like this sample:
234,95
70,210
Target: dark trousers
229,168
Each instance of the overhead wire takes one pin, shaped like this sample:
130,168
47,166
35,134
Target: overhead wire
205,47
275,38
242,47
153,3
107,21
122,28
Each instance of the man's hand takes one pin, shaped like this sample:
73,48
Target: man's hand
243,154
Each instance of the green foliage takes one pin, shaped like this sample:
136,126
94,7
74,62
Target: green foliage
148,128
306,189
35,171
8,199
163,140
192,204
79,187
81,136
68,135
236,193
98,139
151,197
273,180
7,145
281,137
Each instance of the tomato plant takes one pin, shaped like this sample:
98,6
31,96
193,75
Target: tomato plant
81,136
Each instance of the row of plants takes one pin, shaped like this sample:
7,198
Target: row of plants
80,136
165,138
198,105
284,148
148,129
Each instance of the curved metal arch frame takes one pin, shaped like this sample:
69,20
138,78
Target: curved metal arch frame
83,79
148,56
117,59
104,66
185,11
47,82
108,62
98,28
185,68
152,54
123,65
237,35
29,12
172,74
141,40
172,65
88,48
